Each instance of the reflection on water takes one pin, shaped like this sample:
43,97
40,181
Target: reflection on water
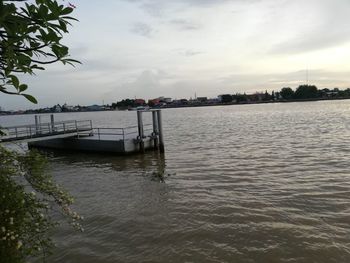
152,163
250,183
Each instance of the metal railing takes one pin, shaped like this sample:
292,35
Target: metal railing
80,128
130,132
45,129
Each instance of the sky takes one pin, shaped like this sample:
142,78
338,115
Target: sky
179,48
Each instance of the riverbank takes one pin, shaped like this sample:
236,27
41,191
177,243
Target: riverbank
252,102
199,104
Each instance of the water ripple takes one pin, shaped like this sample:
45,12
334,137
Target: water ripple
251,183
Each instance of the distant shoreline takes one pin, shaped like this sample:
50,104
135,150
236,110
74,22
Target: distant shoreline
251,103
193,105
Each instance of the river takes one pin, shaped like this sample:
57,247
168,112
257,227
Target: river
247,183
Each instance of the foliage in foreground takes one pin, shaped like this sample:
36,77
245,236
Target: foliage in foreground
30,38
27,195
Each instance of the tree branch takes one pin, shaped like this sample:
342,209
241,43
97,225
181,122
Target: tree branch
9,92
31,49
46,62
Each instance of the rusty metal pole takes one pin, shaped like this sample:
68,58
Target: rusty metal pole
140,129
160,131
40,128
52,122
36,124
155,129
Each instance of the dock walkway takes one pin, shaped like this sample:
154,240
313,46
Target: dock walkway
82,136
50,129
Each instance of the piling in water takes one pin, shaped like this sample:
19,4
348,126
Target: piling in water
140,129
160,131
52,118
37,124
155,129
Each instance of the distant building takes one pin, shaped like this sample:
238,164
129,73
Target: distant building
184,101
153,102
225,98
46,110
213,101
258,96
107,107
66,107
77,108
202,99
326,93
94,108
166,100
57,108
140,102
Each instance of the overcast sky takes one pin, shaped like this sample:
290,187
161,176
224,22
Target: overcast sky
151,48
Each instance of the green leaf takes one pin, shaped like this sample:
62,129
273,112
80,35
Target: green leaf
15,81
24,60
66,11
53,6
8,71
30,98
37,67
71,61
63,26
70,18
22,87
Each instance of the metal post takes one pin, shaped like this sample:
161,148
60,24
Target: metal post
140,128
160,131
155,128
36,124
52,122
39,124
76,128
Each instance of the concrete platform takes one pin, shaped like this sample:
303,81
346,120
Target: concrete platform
93,144
82,136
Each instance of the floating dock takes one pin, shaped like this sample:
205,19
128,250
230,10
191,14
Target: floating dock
80,135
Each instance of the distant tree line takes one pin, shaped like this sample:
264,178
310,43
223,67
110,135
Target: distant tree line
303,92
128,103
312,92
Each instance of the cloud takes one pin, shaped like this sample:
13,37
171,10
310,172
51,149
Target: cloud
260,82
160,8
185,24
316,25
142,29
189,52
175,48
312,41
153,9
193,2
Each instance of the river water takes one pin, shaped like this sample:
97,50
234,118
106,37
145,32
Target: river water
248,183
